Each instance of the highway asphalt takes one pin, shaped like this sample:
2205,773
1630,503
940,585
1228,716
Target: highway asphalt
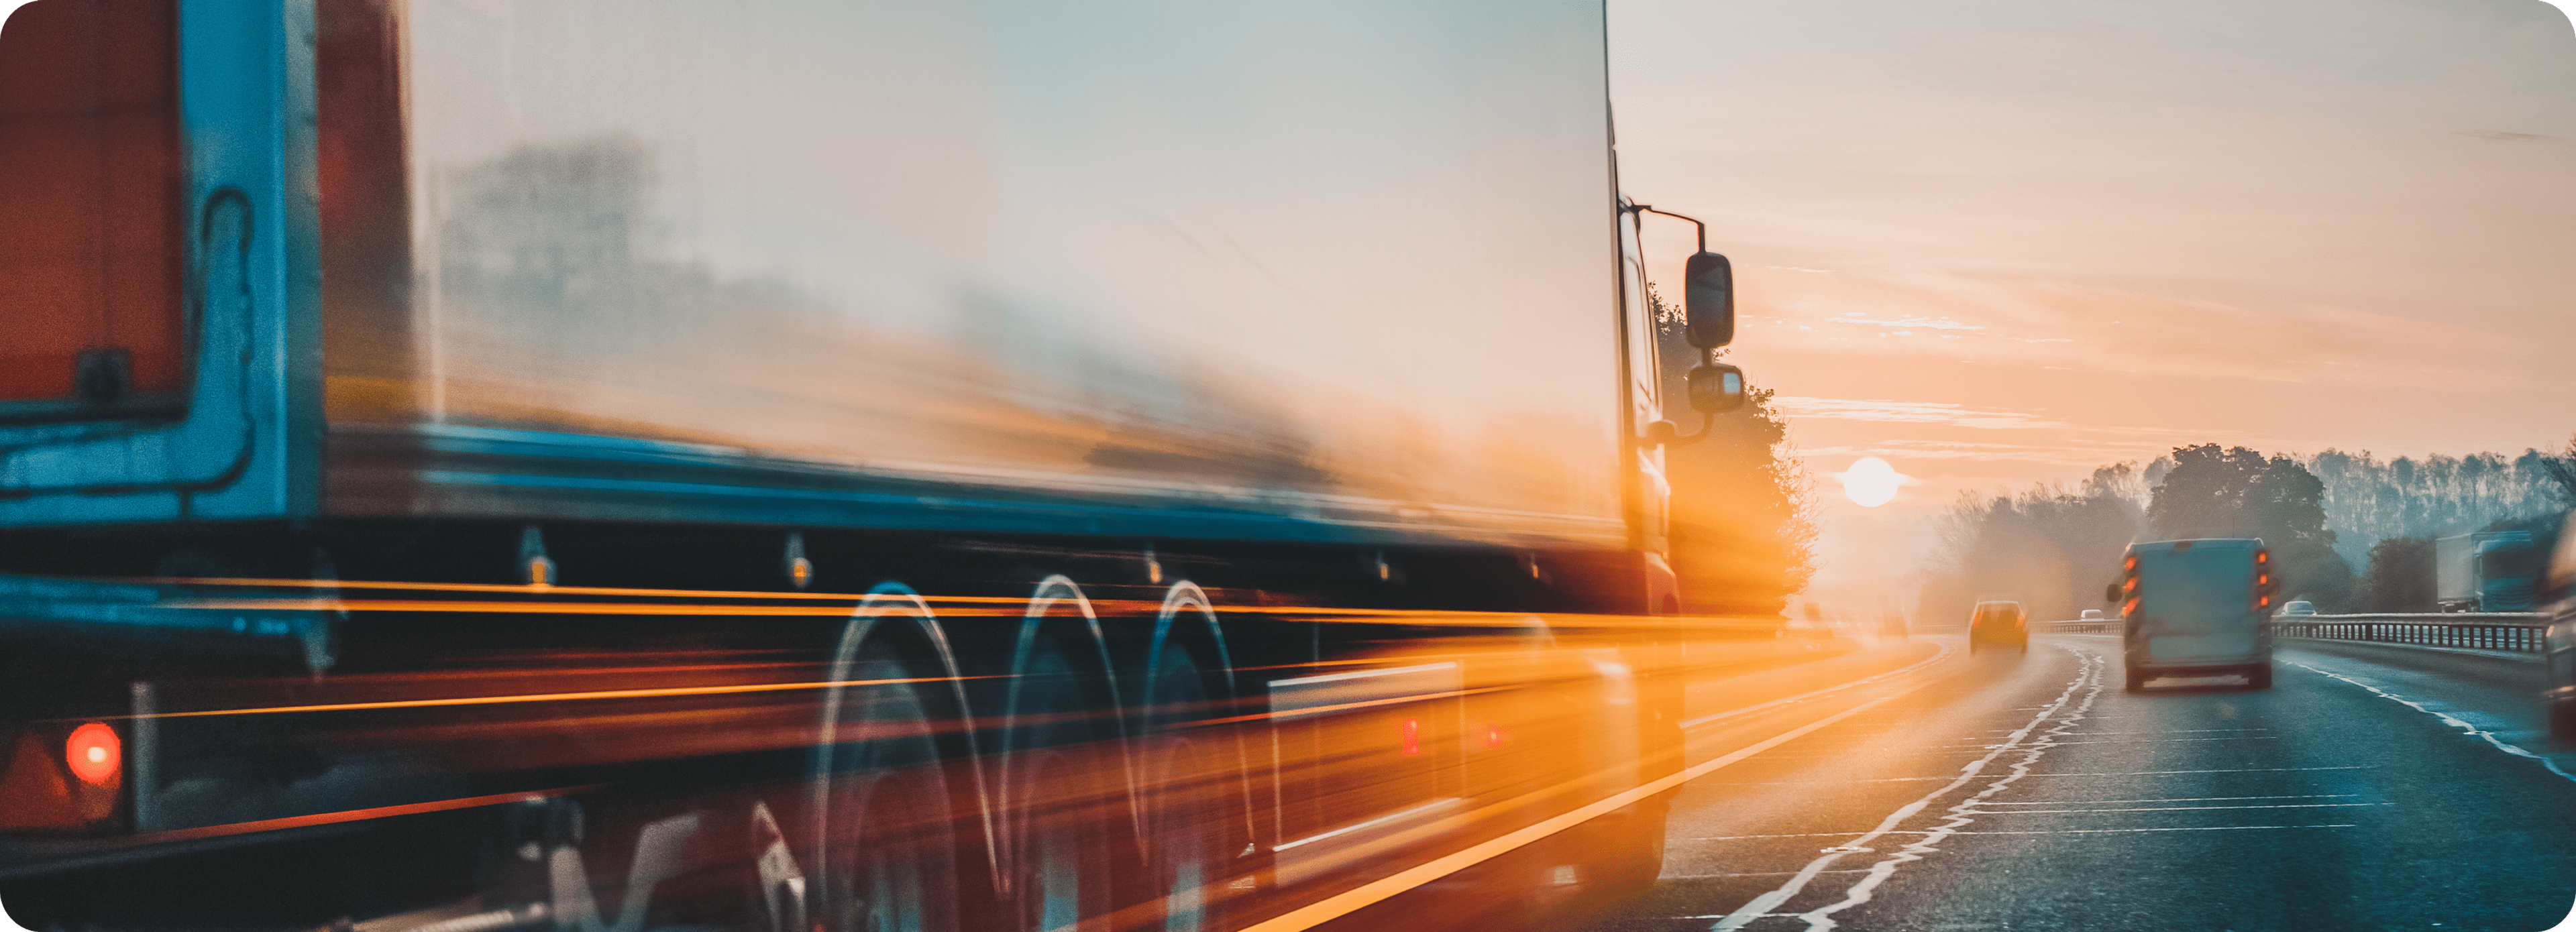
1925,788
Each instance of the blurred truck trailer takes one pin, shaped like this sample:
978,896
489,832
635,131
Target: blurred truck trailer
802,465
2486,571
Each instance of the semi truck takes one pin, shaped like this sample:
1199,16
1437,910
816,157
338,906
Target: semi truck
999,465
2486,571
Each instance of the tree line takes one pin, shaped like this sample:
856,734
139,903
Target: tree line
2348,532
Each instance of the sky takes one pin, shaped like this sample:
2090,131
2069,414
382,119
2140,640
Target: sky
1999,242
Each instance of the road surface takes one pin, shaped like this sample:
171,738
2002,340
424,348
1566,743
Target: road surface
1912,785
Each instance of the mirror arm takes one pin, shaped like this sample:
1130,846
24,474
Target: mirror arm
1707,421
1693,221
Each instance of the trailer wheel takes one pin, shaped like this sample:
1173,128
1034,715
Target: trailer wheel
1191,789
889,851
1061,802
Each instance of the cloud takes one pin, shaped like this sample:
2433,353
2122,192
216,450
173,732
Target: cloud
1907,412
2497,135
1911,321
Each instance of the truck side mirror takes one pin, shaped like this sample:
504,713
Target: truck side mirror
1716,388
1708,302
2111,593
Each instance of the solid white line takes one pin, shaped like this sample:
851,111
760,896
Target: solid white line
2447,719
2088,677
1801,697
1348,901
1764,904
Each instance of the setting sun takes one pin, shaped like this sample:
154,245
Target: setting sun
1871,482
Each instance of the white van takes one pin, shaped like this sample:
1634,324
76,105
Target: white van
2197,608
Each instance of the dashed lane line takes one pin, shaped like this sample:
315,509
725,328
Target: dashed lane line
2088,672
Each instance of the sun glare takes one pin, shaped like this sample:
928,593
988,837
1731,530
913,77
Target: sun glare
1871,482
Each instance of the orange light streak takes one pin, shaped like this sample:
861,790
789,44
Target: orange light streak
548,697
352,815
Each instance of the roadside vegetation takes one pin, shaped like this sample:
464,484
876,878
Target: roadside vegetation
2350,532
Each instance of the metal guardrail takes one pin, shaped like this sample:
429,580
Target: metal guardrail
2507,631
2085,626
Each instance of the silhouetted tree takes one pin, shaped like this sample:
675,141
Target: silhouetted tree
2049,548
1743,518
2399,577
2239,492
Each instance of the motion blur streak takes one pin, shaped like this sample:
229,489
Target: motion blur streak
540,697
353,815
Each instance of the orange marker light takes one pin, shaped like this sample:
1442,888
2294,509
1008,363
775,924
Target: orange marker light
95,754
1412,737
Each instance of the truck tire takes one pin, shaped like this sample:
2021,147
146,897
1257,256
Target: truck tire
2562,720
2137,681
1061,803
2260,676
1192,811
888,853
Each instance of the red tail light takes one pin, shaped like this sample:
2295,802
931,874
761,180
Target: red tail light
79,790
94,754
1412,737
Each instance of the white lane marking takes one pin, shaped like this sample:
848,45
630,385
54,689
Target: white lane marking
2184,799
2147,741
2053,831
2174,808
2170,731
1763,874
2447,719
2089,671
2162,773
1802,697
1348,901
2140,773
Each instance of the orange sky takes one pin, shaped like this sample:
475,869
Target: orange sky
2007,241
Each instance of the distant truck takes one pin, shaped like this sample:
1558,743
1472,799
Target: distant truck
2196,608
2485,571
2558,641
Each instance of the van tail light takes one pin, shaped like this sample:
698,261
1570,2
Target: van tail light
54,781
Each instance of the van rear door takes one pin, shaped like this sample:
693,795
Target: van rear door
2197,602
